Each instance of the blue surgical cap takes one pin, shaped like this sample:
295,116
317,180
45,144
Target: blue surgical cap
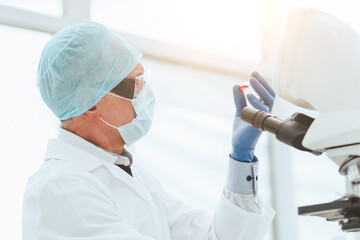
80,64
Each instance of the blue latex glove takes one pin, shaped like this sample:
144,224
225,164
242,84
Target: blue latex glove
244,136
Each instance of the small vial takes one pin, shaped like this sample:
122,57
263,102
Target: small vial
243,87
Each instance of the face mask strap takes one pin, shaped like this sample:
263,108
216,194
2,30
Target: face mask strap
108,123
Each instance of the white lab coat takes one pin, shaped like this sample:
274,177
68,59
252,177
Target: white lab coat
78,193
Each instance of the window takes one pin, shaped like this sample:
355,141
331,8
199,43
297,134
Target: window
47,7
228,28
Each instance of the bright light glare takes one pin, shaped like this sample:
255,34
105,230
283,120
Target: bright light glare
228,28
47,7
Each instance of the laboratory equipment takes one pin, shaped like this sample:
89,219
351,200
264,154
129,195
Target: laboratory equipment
318,69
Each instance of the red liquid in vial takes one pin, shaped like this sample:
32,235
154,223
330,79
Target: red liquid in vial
243,87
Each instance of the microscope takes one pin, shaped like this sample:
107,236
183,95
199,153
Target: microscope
318,68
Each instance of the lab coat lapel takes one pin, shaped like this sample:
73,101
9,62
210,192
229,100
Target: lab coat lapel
131,182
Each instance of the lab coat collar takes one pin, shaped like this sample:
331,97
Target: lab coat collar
69,146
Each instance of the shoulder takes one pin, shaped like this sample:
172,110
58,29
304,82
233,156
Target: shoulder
59,177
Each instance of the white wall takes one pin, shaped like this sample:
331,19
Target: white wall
25,123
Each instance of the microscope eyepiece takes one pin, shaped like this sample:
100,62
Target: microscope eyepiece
290,131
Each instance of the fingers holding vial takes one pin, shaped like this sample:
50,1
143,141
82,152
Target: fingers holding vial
263,90
239,99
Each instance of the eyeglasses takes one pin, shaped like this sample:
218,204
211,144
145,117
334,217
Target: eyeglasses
133,88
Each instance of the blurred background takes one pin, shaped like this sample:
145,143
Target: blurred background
197,50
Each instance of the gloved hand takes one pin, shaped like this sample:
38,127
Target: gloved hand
244,136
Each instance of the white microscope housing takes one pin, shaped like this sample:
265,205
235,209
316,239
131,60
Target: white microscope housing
319,69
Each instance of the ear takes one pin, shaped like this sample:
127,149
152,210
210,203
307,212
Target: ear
92,115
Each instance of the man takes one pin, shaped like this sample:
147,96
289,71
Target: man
87,186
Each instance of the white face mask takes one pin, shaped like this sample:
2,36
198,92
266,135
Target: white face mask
139,126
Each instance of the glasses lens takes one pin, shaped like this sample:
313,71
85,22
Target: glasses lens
142,86
125,88
139,85
134,88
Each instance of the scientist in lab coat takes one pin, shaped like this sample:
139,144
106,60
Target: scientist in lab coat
89,187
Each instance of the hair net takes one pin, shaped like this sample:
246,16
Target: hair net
80,64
